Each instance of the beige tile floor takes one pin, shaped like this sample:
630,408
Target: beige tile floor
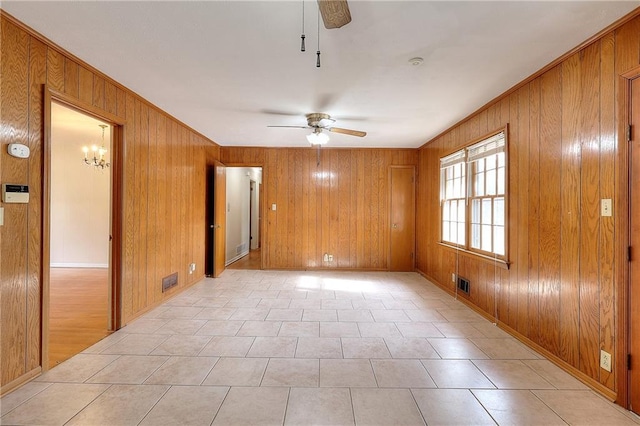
265,347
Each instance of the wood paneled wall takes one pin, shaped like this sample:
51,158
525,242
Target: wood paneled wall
164,191
339,207
560,289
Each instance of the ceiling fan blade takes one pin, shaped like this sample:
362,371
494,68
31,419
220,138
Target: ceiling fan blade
293,127
335,13
279,112
347,131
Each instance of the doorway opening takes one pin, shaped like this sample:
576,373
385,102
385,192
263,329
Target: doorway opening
243,220
80,229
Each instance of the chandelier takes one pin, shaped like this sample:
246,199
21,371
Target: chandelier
98,160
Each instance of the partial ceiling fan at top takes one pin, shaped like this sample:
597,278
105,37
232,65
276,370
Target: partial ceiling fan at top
335,13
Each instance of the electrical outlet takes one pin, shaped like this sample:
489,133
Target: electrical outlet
605,360
330,258
192,268
453,278
325,257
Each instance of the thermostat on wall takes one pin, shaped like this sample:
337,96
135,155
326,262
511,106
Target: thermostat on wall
15,193
18,150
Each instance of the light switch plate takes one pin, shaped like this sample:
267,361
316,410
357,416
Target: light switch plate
1,216
273,207
606,208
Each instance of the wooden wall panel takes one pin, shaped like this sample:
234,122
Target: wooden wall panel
338,207
13,270
37,77
589,303
606,260
533,204
163,191
153,291
549,243
570,209
85,85
71,78
55,70
560,289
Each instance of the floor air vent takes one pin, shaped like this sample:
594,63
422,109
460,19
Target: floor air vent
169,281
463,285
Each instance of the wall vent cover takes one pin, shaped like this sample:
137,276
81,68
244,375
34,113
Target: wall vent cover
463,285
169,281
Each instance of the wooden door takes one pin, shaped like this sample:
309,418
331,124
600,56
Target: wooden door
402,218
634,265
220,217
209,251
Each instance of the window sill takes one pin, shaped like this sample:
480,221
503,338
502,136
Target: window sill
500,263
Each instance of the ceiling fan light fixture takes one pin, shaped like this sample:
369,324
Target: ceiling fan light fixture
317,138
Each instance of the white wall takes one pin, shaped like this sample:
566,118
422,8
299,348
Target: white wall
238,194
255,215
79,195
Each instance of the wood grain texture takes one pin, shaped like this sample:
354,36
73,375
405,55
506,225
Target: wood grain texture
338,207
71,78
55,70
402,218
563,290
589,287
13,269
37,77
626,57
607,259
149,174
533,226
79,311
85,85
570,187
550,239
634,288
110,98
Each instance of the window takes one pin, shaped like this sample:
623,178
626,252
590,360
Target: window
473,184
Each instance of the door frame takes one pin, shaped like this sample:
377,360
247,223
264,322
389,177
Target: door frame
117,164
622,216
261,232
219,217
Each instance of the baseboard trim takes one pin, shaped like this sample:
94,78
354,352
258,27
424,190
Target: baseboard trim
579,375
238,257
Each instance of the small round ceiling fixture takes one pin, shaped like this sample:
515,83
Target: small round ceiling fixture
416,61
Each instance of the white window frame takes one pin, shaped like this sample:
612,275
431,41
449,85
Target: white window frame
485,236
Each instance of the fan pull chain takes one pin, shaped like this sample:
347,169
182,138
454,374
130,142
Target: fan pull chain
302,47
318,52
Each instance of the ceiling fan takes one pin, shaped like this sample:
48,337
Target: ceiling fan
319,122
335,13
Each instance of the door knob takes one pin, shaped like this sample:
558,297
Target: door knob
394,226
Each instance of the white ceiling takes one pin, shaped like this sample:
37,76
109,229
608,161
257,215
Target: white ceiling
230,68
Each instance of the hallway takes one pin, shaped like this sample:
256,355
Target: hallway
283,347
